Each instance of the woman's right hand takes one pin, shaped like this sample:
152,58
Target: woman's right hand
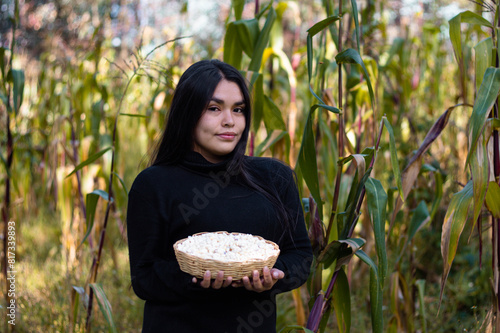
217,283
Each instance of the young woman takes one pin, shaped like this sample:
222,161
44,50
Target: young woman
201,181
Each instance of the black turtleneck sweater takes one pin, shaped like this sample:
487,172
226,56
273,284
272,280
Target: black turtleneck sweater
171,202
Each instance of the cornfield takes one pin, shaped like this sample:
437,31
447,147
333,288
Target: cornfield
386,110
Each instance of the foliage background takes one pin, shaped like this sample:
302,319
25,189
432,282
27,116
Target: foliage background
77,56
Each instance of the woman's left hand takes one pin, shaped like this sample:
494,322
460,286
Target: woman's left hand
258,283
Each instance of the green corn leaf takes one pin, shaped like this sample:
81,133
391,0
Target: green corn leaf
351,216
4,163
124,187
438,194
453,225
308,163
262,41
294,328
455,30
342,302
309,58
233,52
420,217
133,115
307,157
375,293
340,251
90,206
322,25
394,158
89,160
486,97
18,79
483,51
248,34
377,202
493,199
269,141
480,170
258,100
356,21
104,305
421,302
352,56
2,61
272,116
238,6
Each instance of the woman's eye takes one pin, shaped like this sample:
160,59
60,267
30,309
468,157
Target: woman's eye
213,108
239,110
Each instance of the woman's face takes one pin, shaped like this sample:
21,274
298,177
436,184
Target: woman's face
221,124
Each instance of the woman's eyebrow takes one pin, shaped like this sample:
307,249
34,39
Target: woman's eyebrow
220,101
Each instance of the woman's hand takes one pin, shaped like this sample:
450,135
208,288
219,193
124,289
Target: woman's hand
260,284
217,283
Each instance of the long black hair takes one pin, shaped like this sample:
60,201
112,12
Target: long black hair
191,97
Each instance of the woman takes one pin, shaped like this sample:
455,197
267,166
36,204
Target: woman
201,181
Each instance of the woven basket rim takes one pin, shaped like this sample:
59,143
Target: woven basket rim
215,261
191,264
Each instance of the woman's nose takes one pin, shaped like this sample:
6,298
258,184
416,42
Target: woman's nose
227,118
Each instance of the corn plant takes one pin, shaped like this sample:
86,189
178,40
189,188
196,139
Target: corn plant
483,156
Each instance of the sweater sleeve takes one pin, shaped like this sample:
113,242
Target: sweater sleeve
295,247
154,277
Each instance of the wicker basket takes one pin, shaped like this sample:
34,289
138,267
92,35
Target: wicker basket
197,266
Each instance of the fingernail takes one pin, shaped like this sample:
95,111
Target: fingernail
275,275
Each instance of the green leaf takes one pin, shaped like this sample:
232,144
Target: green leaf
309,58
89,160
480,170
342,302
455,30
91,204
18,88
307,157
2,61
394,158
486,97
493,199
352,56
124,187
258,100
453,225
356,21
420,217
104,305
340,251
233,52
375,294
293,328
238,6
421,302
272,116
321,25
483,57
133,115
377,202
269,141
262,41
248,34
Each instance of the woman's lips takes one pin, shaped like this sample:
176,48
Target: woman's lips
227,135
